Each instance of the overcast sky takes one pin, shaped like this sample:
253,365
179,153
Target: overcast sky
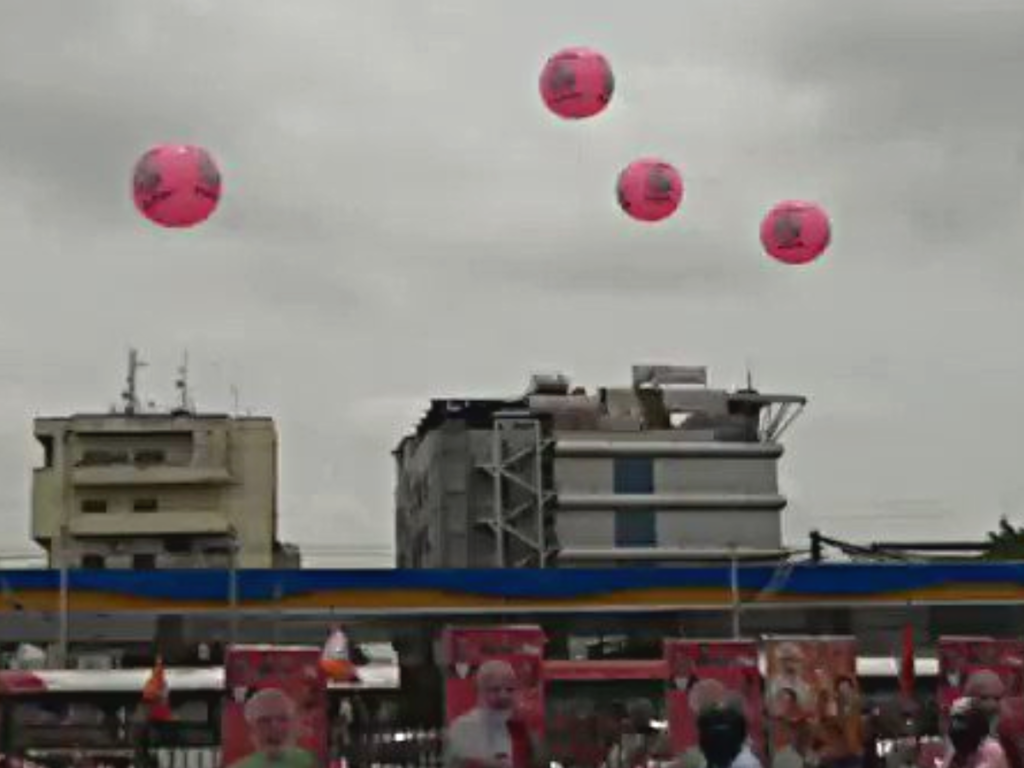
402,220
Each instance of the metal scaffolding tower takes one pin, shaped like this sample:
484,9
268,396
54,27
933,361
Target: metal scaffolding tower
521,470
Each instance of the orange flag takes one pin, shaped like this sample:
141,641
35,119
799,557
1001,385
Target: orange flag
156,694
336,661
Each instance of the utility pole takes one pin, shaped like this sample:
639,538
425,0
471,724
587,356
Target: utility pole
63,550
734,585
65,602
233,586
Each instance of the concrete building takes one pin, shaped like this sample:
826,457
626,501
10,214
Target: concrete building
664,471
176,489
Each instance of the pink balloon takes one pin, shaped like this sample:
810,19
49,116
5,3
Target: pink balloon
176,185
577,83
796,232
650,190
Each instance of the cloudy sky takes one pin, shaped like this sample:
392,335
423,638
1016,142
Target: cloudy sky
402,220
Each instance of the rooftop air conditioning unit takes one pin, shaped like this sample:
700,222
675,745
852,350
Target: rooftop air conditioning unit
661,375
549,384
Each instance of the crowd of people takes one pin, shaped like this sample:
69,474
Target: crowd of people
982,729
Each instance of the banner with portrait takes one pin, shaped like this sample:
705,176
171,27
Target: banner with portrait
701,673
813,698
466,648
275,708
964,662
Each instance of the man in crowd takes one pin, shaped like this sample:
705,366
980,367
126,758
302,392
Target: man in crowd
986,688
971,746
722,735
492,734
641,740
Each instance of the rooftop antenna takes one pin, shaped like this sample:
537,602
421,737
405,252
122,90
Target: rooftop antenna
750,377
181,384
235,397
130,396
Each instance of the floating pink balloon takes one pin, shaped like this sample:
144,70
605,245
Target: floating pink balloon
176,185
796,232
577,83
650,190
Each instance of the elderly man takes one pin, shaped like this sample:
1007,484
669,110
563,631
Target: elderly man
271,718
790,678
491,735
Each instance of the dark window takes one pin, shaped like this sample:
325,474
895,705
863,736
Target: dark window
93,506
144,562
178,545
150,456
98,457
94,562
635,527
145,505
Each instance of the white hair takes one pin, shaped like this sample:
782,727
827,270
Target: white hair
493,668
253,705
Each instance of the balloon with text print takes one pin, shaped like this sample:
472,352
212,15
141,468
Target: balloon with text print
796,232
650,190
577,83
176,185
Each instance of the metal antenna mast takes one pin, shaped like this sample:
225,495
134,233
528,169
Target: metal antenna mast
130,396
181,384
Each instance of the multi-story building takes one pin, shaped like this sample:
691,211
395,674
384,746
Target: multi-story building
663,471
176,489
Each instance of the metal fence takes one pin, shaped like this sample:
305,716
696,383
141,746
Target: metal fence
412,748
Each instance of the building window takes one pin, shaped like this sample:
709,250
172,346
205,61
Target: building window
144,562
145,505
94,506
98,458
635,527
178,545
150,456
94,562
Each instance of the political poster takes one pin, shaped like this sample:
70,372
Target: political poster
813,698
705,672
275,709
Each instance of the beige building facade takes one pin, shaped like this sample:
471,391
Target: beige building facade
158,490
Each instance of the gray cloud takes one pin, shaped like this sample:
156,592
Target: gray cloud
402,220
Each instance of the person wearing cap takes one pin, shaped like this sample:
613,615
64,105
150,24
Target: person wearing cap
970,745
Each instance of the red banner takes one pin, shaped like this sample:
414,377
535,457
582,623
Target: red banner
814,697
276,708
466,648
961,658
701,673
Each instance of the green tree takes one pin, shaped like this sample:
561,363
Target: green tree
1006,543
